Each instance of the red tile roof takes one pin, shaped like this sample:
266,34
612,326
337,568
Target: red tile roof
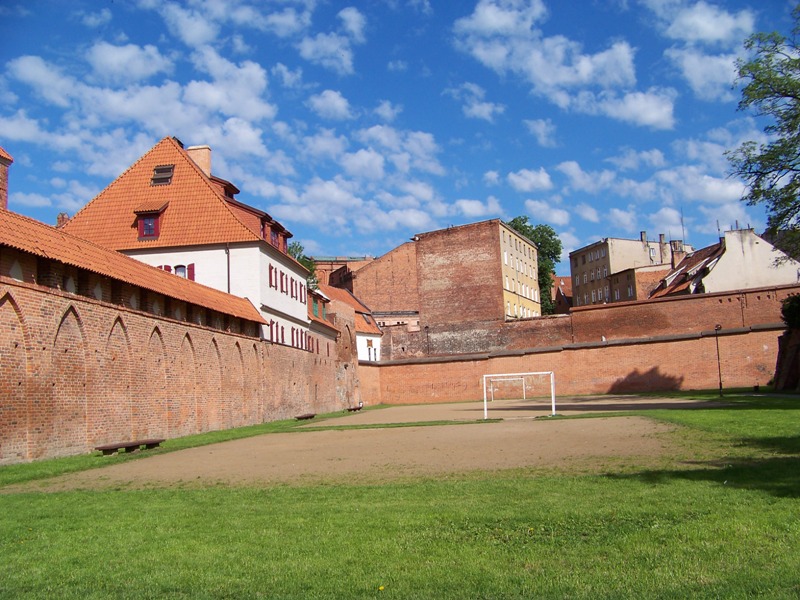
365,323
5,156
28,235
198,212
679,279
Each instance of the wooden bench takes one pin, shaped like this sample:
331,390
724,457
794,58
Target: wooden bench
353,408
306,416
108,449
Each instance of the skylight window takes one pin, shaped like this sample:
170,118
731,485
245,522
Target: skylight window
162,175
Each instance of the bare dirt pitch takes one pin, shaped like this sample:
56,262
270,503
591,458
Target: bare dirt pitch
312,455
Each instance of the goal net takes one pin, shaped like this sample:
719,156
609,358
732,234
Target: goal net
514,386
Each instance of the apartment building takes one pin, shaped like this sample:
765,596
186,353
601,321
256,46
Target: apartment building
595,269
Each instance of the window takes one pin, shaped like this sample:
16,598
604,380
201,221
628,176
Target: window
593,296
148,226
162,175
180,271
605,271
577,279
591,275
315,306
616,294
584,278
630,291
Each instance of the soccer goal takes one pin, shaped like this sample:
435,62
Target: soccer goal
516,385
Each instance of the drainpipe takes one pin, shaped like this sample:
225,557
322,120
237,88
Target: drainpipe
228,258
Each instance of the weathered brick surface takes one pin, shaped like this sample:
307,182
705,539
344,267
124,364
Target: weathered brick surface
460,275
649,346
78,372
389,283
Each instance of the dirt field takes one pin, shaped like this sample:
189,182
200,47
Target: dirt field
518,441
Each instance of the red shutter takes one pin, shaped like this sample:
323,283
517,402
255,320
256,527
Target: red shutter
168,269
190,271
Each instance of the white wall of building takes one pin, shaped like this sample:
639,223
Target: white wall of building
365,351
749,262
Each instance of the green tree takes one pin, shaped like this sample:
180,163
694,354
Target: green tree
549,253
771,169
296,251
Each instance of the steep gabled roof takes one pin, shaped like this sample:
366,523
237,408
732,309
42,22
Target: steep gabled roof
33,237
679,280
197,211
5,156
365,322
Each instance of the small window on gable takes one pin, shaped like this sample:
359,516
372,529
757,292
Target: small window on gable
148,218
162,175
180,271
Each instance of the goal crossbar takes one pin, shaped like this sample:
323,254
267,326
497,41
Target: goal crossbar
492,377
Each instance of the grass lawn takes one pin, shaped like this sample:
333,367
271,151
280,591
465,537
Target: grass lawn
721,520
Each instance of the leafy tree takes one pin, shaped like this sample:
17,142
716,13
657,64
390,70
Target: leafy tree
790,312
549,245
296,251
772,169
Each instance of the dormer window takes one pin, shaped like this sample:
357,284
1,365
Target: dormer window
162,175
148,219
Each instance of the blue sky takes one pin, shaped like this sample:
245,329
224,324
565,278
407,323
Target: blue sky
359,124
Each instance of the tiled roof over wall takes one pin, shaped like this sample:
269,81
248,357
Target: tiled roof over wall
33,237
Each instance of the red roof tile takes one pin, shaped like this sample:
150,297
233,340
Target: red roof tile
198,212
5,156
679,279
365,323
28,235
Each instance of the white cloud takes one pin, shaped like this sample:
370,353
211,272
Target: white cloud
97,19
585,181
45,79
192,27
287,22
325,144
526,180
667,220
236,90
353,23
491,178
129,63
587,213
501,18
473,104
365,163
653,108
691,182
388,111
330,104
406,149
705,23
710,77
545,211
474,209
289,78
726,216
397,65
328,50
624,219
543,130
31,200
631,160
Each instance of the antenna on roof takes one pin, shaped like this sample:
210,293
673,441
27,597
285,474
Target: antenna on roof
719,233
683,229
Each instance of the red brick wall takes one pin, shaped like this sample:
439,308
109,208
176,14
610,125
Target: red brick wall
460,275
649,346
389,283
77,373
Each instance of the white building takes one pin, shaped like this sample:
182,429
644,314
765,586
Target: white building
169,211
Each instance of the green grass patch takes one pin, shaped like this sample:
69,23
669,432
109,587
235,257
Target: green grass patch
720,520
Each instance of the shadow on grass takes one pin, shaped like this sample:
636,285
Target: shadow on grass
775,475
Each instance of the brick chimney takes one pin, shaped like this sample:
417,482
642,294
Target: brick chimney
201,155
5,162
678,252
62,219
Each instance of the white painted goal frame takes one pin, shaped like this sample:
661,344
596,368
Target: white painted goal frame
490,378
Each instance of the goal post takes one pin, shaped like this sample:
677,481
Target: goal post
490,382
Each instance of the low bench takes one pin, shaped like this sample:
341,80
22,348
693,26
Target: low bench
306,416
133,446
353,408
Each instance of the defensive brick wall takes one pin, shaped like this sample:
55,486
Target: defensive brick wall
78,372
661,345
